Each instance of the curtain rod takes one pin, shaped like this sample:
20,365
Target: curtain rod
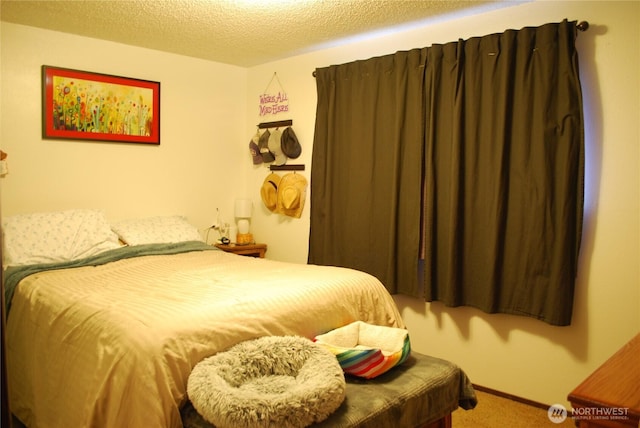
582,26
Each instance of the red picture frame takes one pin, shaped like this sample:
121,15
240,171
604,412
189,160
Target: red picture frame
81,105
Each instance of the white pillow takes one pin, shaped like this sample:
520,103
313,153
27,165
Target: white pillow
156,230
52,237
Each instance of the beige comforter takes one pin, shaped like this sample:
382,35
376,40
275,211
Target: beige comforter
113,345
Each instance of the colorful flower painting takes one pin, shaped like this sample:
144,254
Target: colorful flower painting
92,106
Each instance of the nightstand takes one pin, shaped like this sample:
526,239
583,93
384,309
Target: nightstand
253,250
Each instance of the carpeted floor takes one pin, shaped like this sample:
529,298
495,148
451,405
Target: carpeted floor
493,411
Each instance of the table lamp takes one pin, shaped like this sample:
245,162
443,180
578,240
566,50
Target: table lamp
243,210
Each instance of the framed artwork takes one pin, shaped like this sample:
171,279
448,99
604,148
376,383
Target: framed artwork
81,105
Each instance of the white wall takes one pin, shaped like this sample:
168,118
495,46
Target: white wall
192,172
517,355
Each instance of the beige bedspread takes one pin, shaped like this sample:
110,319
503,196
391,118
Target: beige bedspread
113,345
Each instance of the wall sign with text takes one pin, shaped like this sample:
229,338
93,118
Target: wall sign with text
273,101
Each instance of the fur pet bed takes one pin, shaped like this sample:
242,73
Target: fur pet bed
367,350
273,381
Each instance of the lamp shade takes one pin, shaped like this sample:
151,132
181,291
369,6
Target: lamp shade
243,208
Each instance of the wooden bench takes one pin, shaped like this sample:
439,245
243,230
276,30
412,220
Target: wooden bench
422,392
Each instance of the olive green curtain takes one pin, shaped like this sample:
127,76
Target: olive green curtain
366,168
497,156
504,167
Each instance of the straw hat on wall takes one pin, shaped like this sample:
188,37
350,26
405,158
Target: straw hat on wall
292,192
269,191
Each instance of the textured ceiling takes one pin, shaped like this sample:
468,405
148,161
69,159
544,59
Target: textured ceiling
240,32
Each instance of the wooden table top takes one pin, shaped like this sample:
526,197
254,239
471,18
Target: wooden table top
615,384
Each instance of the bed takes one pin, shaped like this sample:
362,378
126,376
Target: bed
109,338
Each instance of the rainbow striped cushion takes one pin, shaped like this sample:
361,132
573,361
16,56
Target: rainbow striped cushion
367,350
